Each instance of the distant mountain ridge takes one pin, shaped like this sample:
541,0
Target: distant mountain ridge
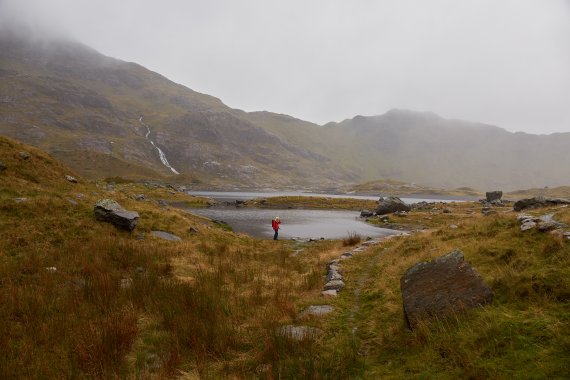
105,117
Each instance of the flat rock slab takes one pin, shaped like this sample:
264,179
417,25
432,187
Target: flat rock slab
299,333
165,235
444,286
107,210
334,285
329,293
316,311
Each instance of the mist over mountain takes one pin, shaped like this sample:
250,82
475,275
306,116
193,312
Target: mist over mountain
106,117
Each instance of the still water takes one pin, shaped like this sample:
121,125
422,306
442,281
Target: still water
295,223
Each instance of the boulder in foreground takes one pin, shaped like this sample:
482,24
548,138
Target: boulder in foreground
491,196
108,210
390,205
436,289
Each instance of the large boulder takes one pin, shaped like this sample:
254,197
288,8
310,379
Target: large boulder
107,210
538,202
388,205
444,286
493,195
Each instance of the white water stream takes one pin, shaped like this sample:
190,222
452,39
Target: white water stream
161,154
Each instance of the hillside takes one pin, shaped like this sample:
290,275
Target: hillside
432,151
68,99
104,117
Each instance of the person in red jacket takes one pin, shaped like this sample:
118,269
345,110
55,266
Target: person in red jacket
275,224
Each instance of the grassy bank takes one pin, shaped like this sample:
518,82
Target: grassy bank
301,202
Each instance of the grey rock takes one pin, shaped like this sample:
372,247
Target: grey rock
401,213
193,230
333,275
493,195
346,255
316,311
20,200
453,226
24,155
390,205
442,287
108,210
366,213
329,293
538,202
528,225
71,178
165,235
162,203
334,285
523,218
299,333
72,202
447,210
140,197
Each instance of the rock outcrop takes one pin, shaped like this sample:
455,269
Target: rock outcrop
436,289
108,210
390,205
538,202
493,195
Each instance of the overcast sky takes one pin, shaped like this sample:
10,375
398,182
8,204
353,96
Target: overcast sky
503,62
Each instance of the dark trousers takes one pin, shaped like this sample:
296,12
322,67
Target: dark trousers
276,233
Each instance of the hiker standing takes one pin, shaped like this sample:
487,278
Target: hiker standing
275,224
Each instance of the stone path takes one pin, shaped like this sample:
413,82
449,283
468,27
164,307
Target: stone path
334,284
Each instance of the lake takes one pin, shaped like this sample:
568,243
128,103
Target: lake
295,223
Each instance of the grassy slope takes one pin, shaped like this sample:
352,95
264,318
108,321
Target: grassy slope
208,306
393,187
523,334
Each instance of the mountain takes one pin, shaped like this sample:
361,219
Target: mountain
106,117
433,151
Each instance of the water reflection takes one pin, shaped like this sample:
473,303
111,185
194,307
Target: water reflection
295,223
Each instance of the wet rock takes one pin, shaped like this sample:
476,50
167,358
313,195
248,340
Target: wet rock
299,333
528,225
334,285
165,235
366,214
71,178
493,195
315,311
442,287
390,205
538,202
108,210
24,155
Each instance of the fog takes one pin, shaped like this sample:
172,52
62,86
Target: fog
505,63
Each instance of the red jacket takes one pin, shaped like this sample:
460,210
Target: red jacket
275,224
